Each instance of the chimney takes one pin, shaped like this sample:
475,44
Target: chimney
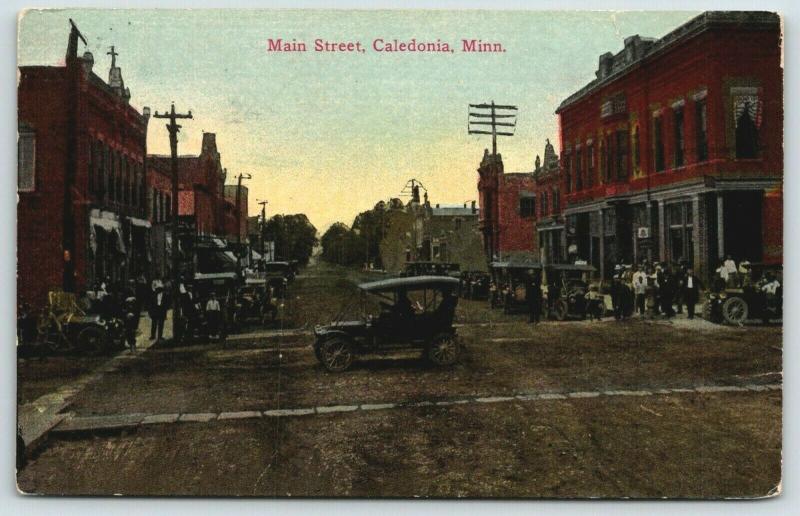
604,68
474,209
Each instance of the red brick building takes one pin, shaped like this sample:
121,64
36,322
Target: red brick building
507,211
236,213
675,150
81,150
549,235
200,186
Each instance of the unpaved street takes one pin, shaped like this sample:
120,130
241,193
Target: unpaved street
554,410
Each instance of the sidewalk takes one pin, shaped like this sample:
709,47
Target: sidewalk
38,417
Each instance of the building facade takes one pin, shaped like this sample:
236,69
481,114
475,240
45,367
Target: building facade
549,231
507,211
82,214
675,151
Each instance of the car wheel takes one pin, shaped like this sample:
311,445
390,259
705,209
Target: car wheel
336,354
92,340
735,310
560,309
444,349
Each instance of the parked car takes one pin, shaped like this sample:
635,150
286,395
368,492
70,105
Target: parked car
64,326
747,300
566,286
254,302
413,313
511,280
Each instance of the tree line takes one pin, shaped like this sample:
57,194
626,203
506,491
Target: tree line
360,243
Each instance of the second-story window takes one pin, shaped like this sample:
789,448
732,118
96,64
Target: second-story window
636,151
556,201
678,127
747,118
568,173
608,165
589,166
658,143
621,158
26,161
527,206
701,129
578,169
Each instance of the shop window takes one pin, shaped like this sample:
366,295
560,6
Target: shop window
26,161
527,207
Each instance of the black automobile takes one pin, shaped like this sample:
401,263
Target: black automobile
511,280
254,302
566,288
752,296
412,313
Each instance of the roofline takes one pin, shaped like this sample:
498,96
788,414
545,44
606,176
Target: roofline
754,20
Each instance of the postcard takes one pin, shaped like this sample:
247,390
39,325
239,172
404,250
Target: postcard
400,253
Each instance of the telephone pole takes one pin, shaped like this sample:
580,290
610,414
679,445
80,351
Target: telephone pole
263,204
173,129
490,111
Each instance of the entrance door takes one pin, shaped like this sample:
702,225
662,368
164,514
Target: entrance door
742,222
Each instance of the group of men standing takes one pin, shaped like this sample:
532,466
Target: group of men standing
659,288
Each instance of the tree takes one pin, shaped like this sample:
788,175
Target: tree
294,236
340,245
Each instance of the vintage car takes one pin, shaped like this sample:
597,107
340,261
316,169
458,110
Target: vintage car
510,281
566,286
413,313
254,302
748,298
64,326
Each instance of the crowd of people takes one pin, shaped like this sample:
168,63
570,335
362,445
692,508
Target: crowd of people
654,288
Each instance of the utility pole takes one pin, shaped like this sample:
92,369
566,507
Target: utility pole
490,111
263,204
173,129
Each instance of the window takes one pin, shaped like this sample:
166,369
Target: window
26,161
747,117
658,143
589,166
556,200
112,176
578,170
608,166
568,173
527,207
154,212
457,223
636,151
622,155
702,129
678,114
118,180
167,207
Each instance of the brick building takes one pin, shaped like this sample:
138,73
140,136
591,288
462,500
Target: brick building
81,182
675,150
507,211
549,235
236,213
201,180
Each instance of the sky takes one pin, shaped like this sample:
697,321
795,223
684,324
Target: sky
331,134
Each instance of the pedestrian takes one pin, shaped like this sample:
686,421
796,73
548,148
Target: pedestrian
213,315
691,291
131,321
158,313
534,294
732,271
616,297
680,288
639,281
667,296
594,303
